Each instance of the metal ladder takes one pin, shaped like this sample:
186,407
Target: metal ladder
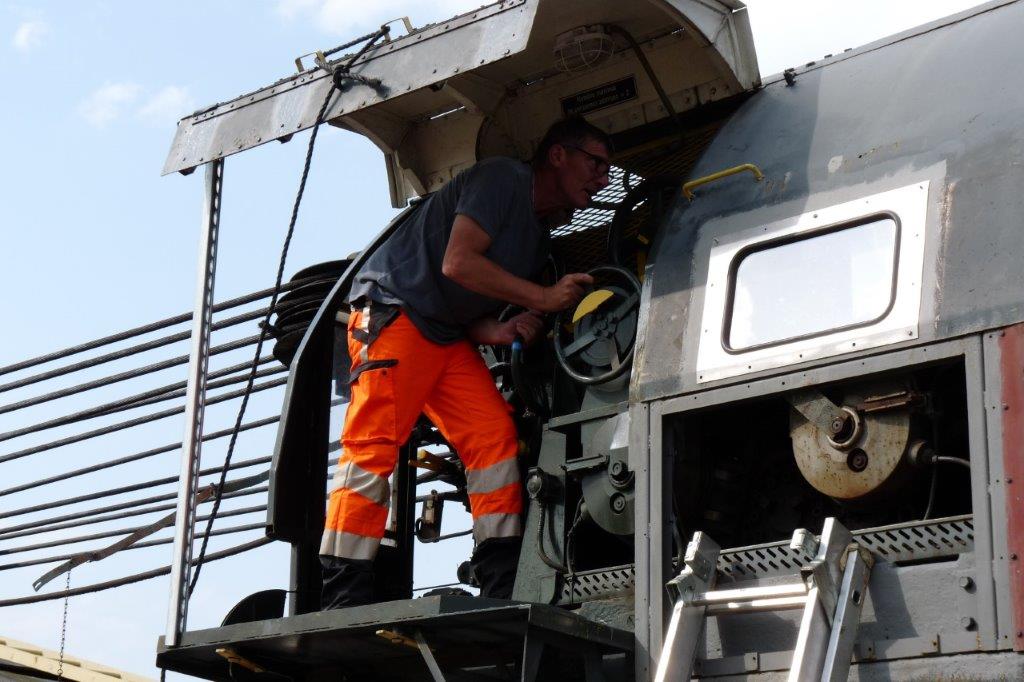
830,591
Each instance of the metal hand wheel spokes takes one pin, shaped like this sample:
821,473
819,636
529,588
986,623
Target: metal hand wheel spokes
605,337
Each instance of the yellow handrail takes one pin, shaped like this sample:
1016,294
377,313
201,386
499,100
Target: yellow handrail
689,185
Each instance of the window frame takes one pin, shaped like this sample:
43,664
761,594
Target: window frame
722,247
767,245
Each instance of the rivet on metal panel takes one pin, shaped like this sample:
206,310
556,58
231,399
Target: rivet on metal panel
507,51
259,139
455,70
481,61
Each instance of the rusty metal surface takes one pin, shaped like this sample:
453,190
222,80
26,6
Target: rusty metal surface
1011,346
870,463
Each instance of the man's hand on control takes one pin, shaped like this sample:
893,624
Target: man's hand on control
565,293
528,325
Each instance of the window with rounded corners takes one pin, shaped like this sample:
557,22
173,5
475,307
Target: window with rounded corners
808,285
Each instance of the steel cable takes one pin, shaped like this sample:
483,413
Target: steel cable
117,532
144,329
120,426
120,506
128,580
128,459
144,399
157,542
91,496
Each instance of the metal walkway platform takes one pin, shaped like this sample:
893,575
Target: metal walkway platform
470,639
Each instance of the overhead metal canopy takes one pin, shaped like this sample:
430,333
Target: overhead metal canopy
487,82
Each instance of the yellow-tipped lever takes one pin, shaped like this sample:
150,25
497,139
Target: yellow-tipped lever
590,303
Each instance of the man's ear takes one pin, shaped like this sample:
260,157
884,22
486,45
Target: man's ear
556,156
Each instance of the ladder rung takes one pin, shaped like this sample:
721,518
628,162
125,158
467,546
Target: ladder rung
757,605
748,594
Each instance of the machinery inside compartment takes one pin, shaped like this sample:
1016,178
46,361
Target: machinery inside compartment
737,473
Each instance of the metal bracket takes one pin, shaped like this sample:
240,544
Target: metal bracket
825,571
819,410
687,622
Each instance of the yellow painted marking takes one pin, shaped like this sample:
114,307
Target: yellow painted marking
590,303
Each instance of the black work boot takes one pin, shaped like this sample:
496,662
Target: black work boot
494,564
346,582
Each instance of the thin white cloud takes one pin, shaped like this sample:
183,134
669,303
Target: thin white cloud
345,18
30,35
108,102
167,105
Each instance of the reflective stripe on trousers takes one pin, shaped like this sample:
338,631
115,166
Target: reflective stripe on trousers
406,375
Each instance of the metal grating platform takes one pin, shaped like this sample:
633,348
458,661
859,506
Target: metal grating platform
597,585
913,541
899,543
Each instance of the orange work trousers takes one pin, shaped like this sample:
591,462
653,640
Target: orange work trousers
397,376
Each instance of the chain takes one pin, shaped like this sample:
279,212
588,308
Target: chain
64,628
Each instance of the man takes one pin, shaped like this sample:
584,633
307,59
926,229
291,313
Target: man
420,303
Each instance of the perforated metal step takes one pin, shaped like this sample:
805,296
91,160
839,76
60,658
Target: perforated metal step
903,542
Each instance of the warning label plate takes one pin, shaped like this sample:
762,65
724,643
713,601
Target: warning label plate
600,97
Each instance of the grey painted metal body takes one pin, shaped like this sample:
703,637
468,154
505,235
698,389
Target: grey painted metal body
195,397
866,121
870,120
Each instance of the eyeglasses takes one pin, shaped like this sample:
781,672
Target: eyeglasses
598,164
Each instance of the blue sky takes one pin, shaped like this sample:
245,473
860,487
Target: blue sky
95,241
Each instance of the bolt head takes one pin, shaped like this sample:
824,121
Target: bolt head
967,623
966,582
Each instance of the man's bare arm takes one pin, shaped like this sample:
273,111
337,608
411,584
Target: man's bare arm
465,264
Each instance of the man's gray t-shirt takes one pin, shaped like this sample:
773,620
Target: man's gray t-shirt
406,269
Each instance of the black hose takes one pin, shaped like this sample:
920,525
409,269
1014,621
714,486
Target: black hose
541,514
